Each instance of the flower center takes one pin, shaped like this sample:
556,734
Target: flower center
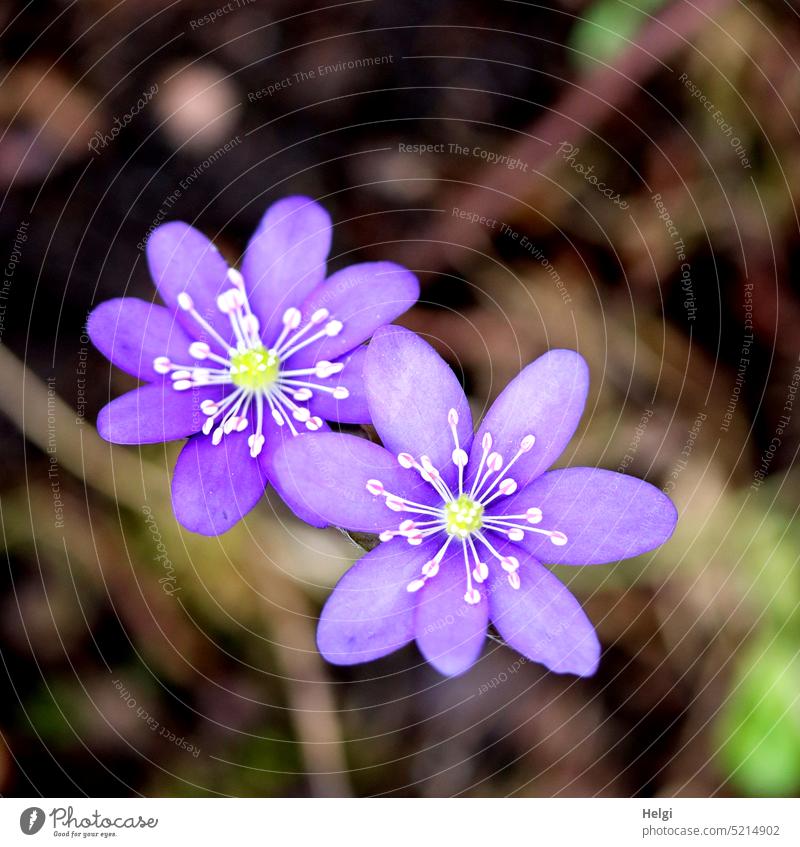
463,516
254,380
255,368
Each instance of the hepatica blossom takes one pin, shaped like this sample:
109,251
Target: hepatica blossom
467,522
240,360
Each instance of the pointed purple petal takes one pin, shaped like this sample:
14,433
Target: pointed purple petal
353,409
214,487
410,390
543,621
276,437
450,632
546,400
370,612
131,333
363,297
181,259
326,473
606,516
154,413
285,259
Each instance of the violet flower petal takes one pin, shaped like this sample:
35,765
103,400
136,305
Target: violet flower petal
606,516
363,297
181,259
131,333
449,631
354,408
410,391
285,259
327,473
370,613
215,486
543,621
154,413
545,400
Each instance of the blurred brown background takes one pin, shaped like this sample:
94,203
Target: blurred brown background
636,166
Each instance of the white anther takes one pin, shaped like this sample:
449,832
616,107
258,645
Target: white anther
209,407
494,462
386,535
251,324
235,278
301,414
277,417
415,585
558,538
199,350
242,425
486,442
182,384
480,572
341,393
208,425
162,365
460,457
292,318
396,504
430,569
230,300
375,487
407,525
303,394
533,515
325,369
185,302
405,460
516,534
452,417
507,486
414,540
429,467
313,423
527,443
319,316
181,374
256,443
472,596
513,580
333,328
509,563
217,436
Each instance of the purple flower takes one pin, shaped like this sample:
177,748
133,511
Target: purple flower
241,361
466,522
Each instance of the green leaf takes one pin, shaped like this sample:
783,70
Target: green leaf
759,730
606,28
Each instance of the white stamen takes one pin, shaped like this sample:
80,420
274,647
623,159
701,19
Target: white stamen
162,365
199,350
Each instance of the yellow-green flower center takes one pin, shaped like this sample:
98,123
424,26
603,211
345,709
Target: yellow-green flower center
463,516
255,368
